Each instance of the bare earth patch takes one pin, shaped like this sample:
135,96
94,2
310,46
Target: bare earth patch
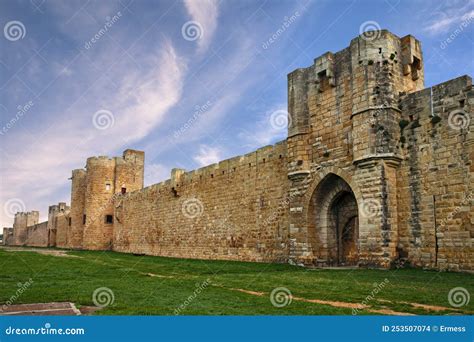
53,252
337,304
423,306
429,307
157,275
88,310
255,293
390,312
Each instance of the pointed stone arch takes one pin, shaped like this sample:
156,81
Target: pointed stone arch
345,175
332,218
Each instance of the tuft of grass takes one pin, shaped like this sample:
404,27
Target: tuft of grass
147,285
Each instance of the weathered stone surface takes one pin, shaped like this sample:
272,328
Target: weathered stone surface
376,170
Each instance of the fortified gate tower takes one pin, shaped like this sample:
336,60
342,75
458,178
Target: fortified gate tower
344,150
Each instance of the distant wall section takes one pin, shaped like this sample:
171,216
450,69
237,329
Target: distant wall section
236,209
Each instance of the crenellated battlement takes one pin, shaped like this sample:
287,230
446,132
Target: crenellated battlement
261,157
258,157
32,213
100,159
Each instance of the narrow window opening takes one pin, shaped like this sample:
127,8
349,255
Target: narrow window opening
109,219
124,190
84,219
175,192
107,186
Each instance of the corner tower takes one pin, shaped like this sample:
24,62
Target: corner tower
59,225
106,178
78,196
20,226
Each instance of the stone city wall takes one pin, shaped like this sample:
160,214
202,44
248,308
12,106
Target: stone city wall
235,209
436,181
376,171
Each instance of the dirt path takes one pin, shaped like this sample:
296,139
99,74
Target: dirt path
337,304
53,252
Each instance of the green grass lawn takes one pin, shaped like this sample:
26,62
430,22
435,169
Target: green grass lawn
146,285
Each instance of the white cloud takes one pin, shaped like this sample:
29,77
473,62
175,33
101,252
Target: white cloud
39,170
140,101
447,17
231,80
211,119
151,95
264,131
155,173
205,12
208,155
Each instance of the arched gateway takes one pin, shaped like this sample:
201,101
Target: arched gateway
334,222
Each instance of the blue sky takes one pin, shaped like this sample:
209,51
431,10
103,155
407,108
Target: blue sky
189,82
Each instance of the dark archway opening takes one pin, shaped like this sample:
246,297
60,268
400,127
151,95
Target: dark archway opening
344,229
334,223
